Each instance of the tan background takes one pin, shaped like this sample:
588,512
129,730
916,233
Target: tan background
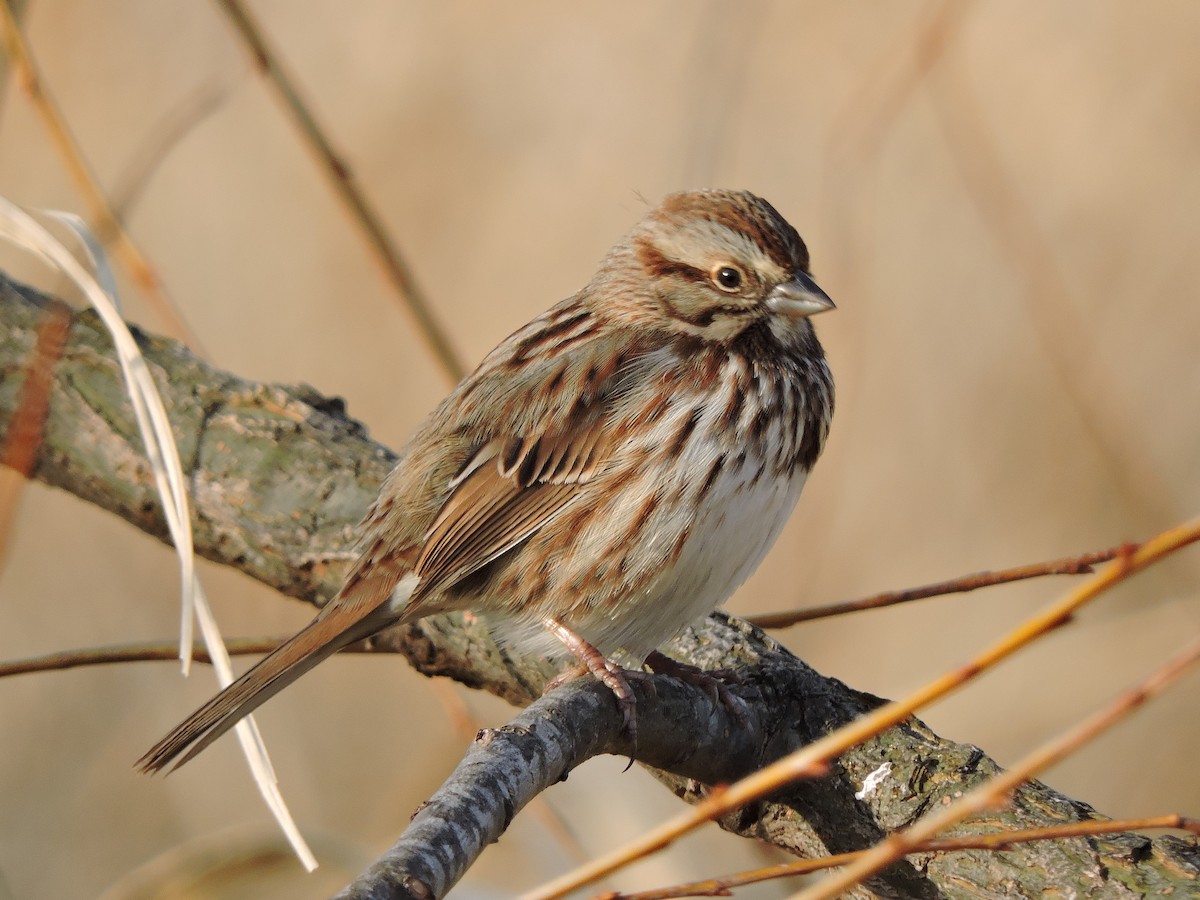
1002,198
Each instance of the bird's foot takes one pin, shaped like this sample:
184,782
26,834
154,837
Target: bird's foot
715,683
613,676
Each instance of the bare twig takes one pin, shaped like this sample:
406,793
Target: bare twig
104,219
996,790
880,96
151,651
341,177
998,840
1071,565
178,123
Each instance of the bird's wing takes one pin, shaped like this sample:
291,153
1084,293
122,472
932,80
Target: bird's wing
520,438
508,491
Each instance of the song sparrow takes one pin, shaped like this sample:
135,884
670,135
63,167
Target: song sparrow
609,474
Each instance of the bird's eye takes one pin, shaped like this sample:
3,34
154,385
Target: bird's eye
728,278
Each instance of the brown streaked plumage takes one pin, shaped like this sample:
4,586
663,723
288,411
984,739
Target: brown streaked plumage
611,471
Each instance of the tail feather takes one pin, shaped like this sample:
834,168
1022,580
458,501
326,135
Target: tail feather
342,622
274,672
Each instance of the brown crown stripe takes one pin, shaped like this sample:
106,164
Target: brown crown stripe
751,216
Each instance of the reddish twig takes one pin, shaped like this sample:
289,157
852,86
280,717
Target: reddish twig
814,758
123,653
999,840
1071,565
26,429
997,789
27,426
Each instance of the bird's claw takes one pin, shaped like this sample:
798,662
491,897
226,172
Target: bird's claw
715,683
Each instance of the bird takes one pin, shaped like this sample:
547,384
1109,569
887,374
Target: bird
609,474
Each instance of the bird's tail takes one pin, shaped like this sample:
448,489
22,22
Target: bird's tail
342,622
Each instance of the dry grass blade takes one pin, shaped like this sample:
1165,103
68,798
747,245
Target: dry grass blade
814,759
19,227
1071,565
24,231
989,794
344,183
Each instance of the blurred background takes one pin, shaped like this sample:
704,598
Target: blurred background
1002,199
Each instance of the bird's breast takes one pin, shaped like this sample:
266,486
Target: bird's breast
685,511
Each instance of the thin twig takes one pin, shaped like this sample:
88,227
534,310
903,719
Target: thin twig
998,840
996,790
814,759
150,651
459,714
180,122
871,108
341,177
1071,565
1074,565
105,221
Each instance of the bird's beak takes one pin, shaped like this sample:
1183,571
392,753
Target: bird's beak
798,298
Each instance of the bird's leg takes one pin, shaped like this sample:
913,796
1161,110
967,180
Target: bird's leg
712,683
604,670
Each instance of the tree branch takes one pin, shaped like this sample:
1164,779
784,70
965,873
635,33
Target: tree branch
279,478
